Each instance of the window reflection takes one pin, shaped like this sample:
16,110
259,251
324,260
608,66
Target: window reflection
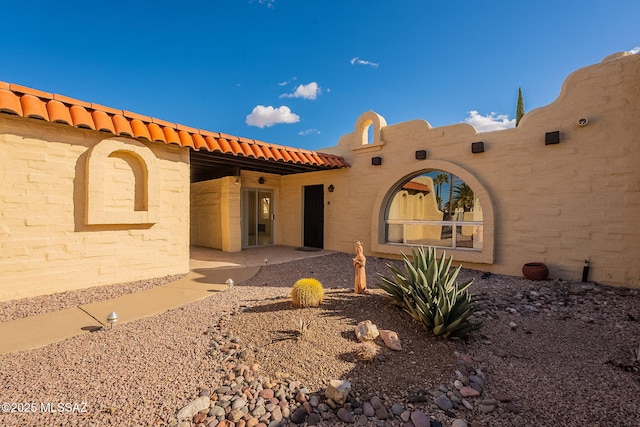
436,208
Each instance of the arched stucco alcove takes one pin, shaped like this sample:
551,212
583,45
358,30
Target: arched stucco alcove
117,167
362,125
483,256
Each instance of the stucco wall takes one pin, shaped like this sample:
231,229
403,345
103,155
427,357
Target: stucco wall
560,204
79,209
206,220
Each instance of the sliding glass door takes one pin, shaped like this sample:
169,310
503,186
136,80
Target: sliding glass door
257,217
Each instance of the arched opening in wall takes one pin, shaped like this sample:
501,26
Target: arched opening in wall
434,208
368,130
126,182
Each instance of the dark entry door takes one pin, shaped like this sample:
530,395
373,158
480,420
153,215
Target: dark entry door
314,216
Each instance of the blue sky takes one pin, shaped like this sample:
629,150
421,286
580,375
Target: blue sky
299,72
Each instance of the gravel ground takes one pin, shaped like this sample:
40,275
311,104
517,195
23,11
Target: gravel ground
558,351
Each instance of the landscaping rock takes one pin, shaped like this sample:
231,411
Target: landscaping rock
192,408
420,419
391,339
338,390
366,331
345,415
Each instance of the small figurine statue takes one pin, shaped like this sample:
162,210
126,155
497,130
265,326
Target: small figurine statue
360,286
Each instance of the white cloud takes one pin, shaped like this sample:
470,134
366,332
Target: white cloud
268,3
308,91
489,122
309,132
262,116
635,50
287,82
358,61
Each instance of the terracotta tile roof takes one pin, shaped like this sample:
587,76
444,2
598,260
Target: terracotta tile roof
31,103
416,186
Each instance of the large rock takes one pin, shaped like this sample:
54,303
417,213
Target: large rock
366,331
420,419
390,339
192,408
338,390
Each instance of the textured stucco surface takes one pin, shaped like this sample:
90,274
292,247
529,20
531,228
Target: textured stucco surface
48,241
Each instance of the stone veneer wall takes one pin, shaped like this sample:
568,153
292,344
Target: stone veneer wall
559,204
79,209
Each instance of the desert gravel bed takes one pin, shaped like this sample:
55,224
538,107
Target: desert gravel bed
556,352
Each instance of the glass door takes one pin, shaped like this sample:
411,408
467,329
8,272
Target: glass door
257,217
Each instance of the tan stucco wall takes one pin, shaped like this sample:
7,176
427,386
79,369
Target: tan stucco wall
560,204
79,209
206,217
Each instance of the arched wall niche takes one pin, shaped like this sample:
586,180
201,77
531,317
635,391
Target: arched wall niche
121,183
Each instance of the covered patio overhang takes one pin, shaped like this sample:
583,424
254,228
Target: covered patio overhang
206,165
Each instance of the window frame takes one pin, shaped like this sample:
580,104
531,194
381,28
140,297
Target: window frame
378,222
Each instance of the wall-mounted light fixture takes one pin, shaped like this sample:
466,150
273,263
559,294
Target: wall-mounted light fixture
477,147
552,137
376,161
237,174
331,188
421,154
261,180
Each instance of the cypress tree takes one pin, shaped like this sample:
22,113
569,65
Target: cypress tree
519,107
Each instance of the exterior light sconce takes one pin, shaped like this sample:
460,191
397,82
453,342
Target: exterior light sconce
421,154
552,137
112,318
376,161
331,188
261,180
477,147
237,174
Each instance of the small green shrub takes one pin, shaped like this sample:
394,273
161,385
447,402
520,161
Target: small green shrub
307,293
426,289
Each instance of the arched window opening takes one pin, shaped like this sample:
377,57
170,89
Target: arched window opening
434,208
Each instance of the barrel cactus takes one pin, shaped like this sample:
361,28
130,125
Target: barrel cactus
307,293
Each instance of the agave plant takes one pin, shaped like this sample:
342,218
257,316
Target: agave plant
426,289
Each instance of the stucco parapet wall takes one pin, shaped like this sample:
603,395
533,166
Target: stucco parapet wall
560,201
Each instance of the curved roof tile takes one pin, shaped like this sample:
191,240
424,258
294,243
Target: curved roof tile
32,103
140,130
81,117
34,108
102,121
58,112
10,102
122,125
